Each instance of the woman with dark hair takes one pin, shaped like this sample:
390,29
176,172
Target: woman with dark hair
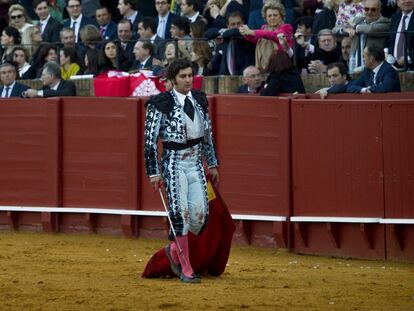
47,53
20,58
69,62
201,57
283,76
112,57
91,62
10,37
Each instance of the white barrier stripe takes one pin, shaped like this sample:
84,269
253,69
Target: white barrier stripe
122,212
402,221
334,219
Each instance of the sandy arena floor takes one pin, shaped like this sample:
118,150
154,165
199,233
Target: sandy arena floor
91,272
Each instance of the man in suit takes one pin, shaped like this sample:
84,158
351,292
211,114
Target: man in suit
252,79
338,80
147,30
53,85
127,8
107,27
126,37
378,76
76,19
143,52
235,53
164,18
371,29
398,40
189,9
10,88
49,26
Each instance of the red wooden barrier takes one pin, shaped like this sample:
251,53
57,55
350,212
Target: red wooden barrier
100,159
337,171
398,128
29,172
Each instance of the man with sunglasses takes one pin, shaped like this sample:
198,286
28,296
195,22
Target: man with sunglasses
76,19
370,29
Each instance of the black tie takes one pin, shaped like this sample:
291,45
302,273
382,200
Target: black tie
7,92
189,108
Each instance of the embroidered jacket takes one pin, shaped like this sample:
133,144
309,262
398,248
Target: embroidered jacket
165,119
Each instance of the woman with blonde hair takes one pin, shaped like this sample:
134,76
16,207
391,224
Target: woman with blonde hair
90,36
274,35
31,40
18,18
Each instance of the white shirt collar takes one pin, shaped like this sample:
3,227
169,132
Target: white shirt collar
153,38
133,16
78,20
145,60
376,69
181,97
46,20
164,17
408,15
11,86
194,17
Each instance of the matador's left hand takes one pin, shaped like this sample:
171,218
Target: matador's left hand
214,174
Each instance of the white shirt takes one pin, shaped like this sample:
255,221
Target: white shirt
153,38
162,24
194,127
11,86
375,71
77,26
132,17
399,30
43,23
194,17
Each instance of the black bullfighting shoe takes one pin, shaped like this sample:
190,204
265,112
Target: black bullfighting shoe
176,269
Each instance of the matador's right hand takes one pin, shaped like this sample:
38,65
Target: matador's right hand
156,182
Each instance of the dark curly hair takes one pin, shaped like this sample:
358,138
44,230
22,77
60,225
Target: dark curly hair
175,67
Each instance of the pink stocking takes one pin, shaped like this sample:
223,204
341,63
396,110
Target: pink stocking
185,256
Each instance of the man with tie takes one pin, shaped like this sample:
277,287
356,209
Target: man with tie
10,88
180,119
164,18
143,51
378,76
76,19
147,30
127,8
401,37
49,26
53,84
107,27
128,40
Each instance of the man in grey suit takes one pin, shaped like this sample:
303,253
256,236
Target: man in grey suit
371,29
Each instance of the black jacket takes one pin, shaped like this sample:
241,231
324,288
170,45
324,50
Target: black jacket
65,88
286,82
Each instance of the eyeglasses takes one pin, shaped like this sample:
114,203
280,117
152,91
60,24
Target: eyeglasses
74,6
370,9
16,16
161,3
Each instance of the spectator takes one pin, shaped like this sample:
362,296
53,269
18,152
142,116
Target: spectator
164,18
147,31
49,26
69,62
189,9
18,18
56,9
327,52
171,53
275,34
53,85
338,79
201,56
197,30
395,46
347,11
90,36
212,14
345,51
10,88
180,30
47,53
252,79
31,39
91,62
378,76
283,76
67,37
143,51
20,58
107,28
9,38
112,57
235,53
126,37
127,8
325,19
370,29
77,20
303,38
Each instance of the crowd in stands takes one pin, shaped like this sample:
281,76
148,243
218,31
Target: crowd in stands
281,38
